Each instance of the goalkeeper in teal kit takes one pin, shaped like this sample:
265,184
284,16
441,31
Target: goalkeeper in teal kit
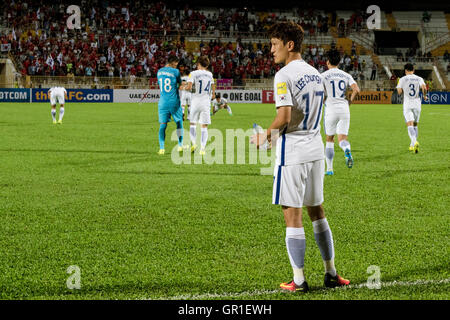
169,80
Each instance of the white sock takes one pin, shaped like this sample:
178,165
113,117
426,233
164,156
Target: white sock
344,144
229,110
61,113
204,137
412,135
299,277
329,155
416,128
182,109
193,134
54,114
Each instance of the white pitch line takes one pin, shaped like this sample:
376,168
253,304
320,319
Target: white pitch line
265,292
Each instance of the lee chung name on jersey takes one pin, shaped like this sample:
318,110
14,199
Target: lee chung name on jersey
303,81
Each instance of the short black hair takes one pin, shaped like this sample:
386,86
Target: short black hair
217,94
172,59
288,31
334,57
409,67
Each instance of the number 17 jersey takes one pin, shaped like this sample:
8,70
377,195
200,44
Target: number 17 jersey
299,86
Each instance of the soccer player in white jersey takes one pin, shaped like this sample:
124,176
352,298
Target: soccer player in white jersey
185,98
411,85
221,103
200,102
298,174
337,111
57,95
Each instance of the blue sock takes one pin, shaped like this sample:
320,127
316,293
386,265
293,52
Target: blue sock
180,132
162,134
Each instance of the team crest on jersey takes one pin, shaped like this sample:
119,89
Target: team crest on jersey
281,88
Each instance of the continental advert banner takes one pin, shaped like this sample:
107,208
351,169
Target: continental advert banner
372,97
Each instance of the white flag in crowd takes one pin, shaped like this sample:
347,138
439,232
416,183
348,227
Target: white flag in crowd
60,59
50,61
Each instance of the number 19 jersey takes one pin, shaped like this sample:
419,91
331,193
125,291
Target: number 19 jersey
336,82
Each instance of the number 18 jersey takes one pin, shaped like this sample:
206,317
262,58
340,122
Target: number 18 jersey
169,79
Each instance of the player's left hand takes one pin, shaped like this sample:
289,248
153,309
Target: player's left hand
258,139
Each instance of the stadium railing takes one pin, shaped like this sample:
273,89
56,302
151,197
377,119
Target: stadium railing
85,82
93,82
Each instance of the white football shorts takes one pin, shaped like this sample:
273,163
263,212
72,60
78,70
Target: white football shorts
200,111
185,101
56,97
411,114
299,185
336,123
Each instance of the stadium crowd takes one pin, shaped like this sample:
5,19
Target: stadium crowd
136,38
354,23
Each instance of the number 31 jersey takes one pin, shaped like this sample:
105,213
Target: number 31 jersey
336,82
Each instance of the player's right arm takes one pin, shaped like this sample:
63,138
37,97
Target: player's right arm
280,122
179,81
355,88
423,86
424,91
355,91
213,85
284,104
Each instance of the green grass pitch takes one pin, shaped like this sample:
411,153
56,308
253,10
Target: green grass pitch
93,192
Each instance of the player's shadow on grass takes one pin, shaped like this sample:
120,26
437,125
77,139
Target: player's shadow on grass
378,157
391,173
110,161
131,290
76,151
185,173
